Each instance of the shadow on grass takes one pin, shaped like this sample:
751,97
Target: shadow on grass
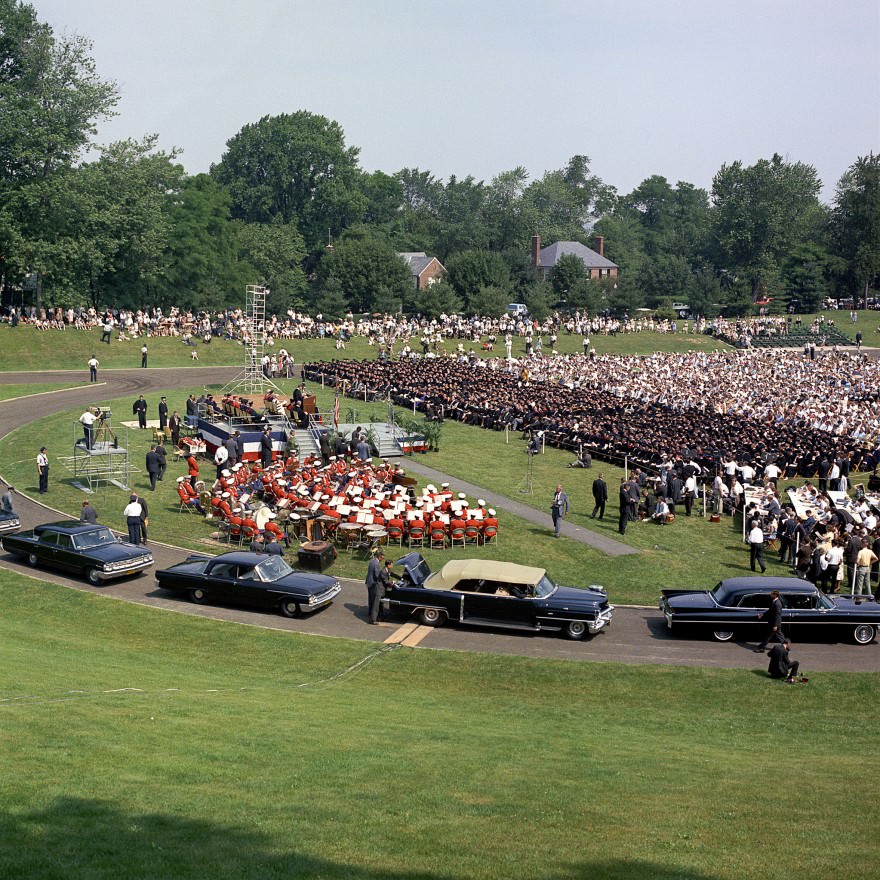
78,838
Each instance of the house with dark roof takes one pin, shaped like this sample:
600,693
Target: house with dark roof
423,270
596,263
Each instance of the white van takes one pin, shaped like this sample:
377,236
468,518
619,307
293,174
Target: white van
517,310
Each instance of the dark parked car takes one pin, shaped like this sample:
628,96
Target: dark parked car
482,592
9,523
734,608
254,579
92,551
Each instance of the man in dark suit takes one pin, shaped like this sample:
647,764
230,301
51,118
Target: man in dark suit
558,509
781,665
163,414
773,618
623,501
600,496
145,514
374,586
163,461
266,448
153,466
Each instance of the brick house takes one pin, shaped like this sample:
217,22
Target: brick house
595,262
423,270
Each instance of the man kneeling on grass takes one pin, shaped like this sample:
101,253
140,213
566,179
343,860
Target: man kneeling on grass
781,665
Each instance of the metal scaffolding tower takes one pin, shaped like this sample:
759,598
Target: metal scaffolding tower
104,463
252,380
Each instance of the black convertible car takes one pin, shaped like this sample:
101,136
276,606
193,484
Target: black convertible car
253,579
89,550
483,592
734,608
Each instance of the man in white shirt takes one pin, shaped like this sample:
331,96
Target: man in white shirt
132,514
756,546
87,420
221,457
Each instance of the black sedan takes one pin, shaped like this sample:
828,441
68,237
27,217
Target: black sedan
9,523
483,592
254,579
735,607
91,551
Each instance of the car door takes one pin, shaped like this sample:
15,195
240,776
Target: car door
751,609
800,610
66,556
250,590
501,602
219,581
46,549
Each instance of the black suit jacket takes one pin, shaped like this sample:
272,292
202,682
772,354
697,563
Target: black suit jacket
600,490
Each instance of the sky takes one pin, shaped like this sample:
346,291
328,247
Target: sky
642,87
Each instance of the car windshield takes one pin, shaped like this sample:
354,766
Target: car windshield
720,594
544,588
94,538
824,601
272,568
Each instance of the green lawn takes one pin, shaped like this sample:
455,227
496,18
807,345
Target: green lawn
9,392
691,551
141,743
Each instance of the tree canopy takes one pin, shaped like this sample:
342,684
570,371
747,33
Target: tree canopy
124,225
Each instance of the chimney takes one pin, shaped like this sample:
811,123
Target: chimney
536,251
600,245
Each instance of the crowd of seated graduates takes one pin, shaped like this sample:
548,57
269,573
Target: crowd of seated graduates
603,422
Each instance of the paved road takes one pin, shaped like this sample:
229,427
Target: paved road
637,636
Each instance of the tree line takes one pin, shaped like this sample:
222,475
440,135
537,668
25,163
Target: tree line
289,206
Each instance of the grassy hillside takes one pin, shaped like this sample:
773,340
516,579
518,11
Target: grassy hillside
140,743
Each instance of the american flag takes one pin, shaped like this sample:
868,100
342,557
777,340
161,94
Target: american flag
336,411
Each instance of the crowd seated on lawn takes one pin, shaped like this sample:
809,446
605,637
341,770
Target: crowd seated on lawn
752,406
250,498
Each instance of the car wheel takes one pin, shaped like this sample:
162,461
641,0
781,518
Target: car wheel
289,608
575,630
864,634
198,595
722,635
32,560
431,616
92,577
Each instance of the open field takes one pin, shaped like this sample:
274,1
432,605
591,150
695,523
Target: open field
134,751
691,551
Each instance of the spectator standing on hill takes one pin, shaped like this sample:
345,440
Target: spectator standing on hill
144,356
